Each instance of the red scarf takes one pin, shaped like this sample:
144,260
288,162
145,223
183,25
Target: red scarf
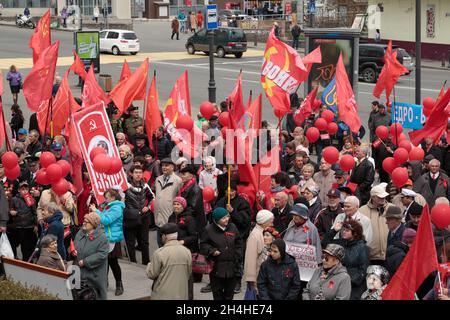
185,186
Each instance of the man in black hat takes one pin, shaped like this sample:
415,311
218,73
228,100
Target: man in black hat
140,149
30,174
132,122
193,195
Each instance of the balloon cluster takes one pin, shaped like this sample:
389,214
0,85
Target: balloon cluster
52,173
428,104
324,123
10,162
103,163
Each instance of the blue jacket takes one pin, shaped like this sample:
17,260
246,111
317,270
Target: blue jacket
112,219
56,227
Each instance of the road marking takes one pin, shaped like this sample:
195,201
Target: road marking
243,80
400,87
203,67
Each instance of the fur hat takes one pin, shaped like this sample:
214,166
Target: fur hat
93,218
263,216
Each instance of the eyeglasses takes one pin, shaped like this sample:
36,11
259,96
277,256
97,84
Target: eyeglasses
325,256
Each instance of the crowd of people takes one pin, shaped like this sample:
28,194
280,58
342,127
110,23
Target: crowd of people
360,225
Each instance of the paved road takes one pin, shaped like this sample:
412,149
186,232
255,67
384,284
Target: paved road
169,59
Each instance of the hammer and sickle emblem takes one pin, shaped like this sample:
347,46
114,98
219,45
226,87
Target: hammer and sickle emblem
92,125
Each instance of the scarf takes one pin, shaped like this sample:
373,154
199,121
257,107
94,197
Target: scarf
185,186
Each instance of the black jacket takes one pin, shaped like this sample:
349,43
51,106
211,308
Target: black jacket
363,175
325,219
279,281
229,243
194,199
25,217
397,236
415,207
187,229
141,152
281,221
164,148
287,161
32,149
241,214
3,207
56,228
314,210
395,254
136,198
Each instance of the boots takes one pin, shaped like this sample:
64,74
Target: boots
119,288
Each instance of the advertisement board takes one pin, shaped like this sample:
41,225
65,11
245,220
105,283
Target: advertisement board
87,46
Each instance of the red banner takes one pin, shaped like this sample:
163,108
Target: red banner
93,129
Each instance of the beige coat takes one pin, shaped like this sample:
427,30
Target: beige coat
193,20
170,270
378,245
66,205
254,254
324,183
164,195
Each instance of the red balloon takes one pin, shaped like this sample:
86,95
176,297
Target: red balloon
116,165
54,173
207,109
208,194
426,112
332,128
401,137
294,191
382,132
224,119
440,215
347,162
10,160
389,164
388,104
14,173
416,153
102,163
405,144
428,103
399,177
330,154
317,104
46,159
96,151
61,187
65,167
328,115
401,155
312,134
321,124
395,131
185,122
41,177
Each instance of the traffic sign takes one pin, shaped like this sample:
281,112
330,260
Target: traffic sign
211,17
409,115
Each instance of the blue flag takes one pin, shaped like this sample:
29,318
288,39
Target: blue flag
329,96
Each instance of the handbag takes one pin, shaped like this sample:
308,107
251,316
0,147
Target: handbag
250,293
84,293
200,264
5,247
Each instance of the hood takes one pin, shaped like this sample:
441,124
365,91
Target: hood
416,167
56,217
117,203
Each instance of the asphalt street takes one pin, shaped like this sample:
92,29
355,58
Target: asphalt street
169,59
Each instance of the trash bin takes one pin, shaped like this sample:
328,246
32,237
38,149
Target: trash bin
105,81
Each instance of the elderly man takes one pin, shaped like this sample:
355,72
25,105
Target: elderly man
408,200
34,145
326,216
208,176
433,184
281,212
295,172
324,180
418,198
363,174
375,210
394,223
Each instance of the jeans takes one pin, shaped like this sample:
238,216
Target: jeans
295,43
139,234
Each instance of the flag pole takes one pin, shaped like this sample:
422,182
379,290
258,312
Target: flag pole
395,118
51,117
229,184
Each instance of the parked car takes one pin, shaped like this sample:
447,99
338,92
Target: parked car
226,41
371,60
119,41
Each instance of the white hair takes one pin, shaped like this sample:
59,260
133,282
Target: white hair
212,159
435,161
441,200
352,200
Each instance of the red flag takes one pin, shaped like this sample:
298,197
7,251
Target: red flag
265,168
78,66
41,38
305,110
126,72
281,73
92,92
236,99
436,124
38,85
130,89
152,114
76,155
1,83
419,262
391,72
3,136
314,56
348,110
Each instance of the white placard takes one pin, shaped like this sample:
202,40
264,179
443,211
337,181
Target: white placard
305,256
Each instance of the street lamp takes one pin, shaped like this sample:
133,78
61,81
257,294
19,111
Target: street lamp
212,82
418,51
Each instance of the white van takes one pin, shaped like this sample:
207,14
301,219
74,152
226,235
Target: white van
119,41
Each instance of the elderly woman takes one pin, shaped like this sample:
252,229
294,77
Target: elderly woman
126,156
121,140
49,256
299,137
91,251
311,193
208,176
269,234
307,175
53,216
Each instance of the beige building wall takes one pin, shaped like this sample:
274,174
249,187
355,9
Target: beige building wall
121,9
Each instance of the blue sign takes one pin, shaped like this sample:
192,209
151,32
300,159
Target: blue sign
409,115
211,17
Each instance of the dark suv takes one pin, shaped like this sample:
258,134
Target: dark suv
371,60
226,41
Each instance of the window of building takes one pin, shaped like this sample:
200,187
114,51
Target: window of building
26,3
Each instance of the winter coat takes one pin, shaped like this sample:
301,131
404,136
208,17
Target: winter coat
395,254
3,207
362,219
335,286
363,175
281,221
67,206
304,234
25,217
51,260
296,30
187,229
209,179
56,227
193,20
240,215
254,254
397,236
137,197
194,199
379,119
164,148
164,195
127,163
314,209
279,281
324,183
422,186
325,219
141,152
170,269
378,244
131,124
175,25
112,219
32,149
94,254
229,242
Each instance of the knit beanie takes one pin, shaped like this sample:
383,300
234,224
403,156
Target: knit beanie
93,218
219,213
263,216
181,201
408,236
